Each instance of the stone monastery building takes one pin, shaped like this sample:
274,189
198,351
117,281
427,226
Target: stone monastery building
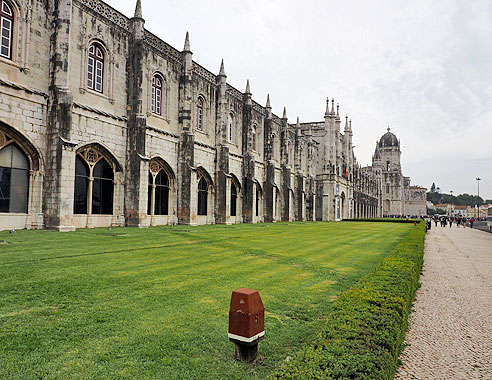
104,124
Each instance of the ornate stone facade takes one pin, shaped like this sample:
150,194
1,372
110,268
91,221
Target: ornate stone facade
119,128
397,196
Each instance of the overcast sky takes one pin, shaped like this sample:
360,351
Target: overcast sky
423,67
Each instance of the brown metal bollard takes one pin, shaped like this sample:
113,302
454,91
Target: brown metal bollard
246,323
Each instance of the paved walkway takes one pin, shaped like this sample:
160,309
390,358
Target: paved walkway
450,334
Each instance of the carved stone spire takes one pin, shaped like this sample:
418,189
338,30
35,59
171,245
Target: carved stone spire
332,106
284,116
248,90
187,47
138,9
222,70
268,102
327,112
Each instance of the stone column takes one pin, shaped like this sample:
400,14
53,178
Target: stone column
136,165
186,146
60,156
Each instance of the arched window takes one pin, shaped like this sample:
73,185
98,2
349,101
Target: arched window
229,127
157,95
14,179
253,137
95,68
275,147
233,199
102,188
94,184
258,197
81,185
158,191
387,165
7,26
202,196
199,114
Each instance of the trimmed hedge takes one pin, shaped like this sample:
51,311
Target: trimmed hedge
363,336
388,220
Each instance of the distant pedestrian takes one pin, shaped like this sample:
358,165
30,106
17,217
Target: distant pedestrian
451,222
458,222
472,220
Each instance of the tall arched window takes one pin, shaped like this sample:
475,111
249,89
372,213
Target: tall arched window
199,114
102,188
253,136
7,27
258,197
94,184
233,199
14,179
157,95
158,190
81,185
202,196
229,127
95,68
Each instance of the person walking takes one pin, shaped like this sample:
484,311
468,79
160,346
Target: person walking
472,220
451,222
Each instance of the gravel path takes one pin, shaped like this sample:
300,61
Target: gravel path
450,335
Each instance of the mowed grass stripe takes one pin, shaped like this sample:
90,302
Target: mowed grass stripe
161,311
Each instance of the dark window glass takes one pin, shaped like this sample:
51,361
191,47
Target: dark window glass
149,195
257,201
14,180
233,199
102,188
95,68
81,183
161,193
5,175
19,186
202,196
156,95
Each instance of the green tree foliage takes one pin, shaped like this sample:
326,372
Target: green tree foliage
436,197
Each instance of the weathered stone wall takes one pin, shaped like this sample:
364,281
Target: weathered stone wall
274,163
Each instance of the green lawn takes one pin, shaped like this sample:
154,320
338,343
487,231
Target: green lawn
153,303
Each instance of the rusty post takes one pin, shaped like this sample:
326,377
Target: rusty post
246,323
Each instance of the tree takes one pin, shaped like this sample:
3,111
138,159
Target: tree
433,188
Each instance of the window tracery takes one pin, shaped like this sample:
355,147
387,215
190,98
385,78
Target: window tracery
158,192
94,183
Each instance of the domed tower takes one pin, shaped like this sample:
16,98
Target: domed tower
386,165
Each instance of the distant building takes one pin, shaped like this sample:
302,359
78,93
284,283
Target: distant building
398,197
472,211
